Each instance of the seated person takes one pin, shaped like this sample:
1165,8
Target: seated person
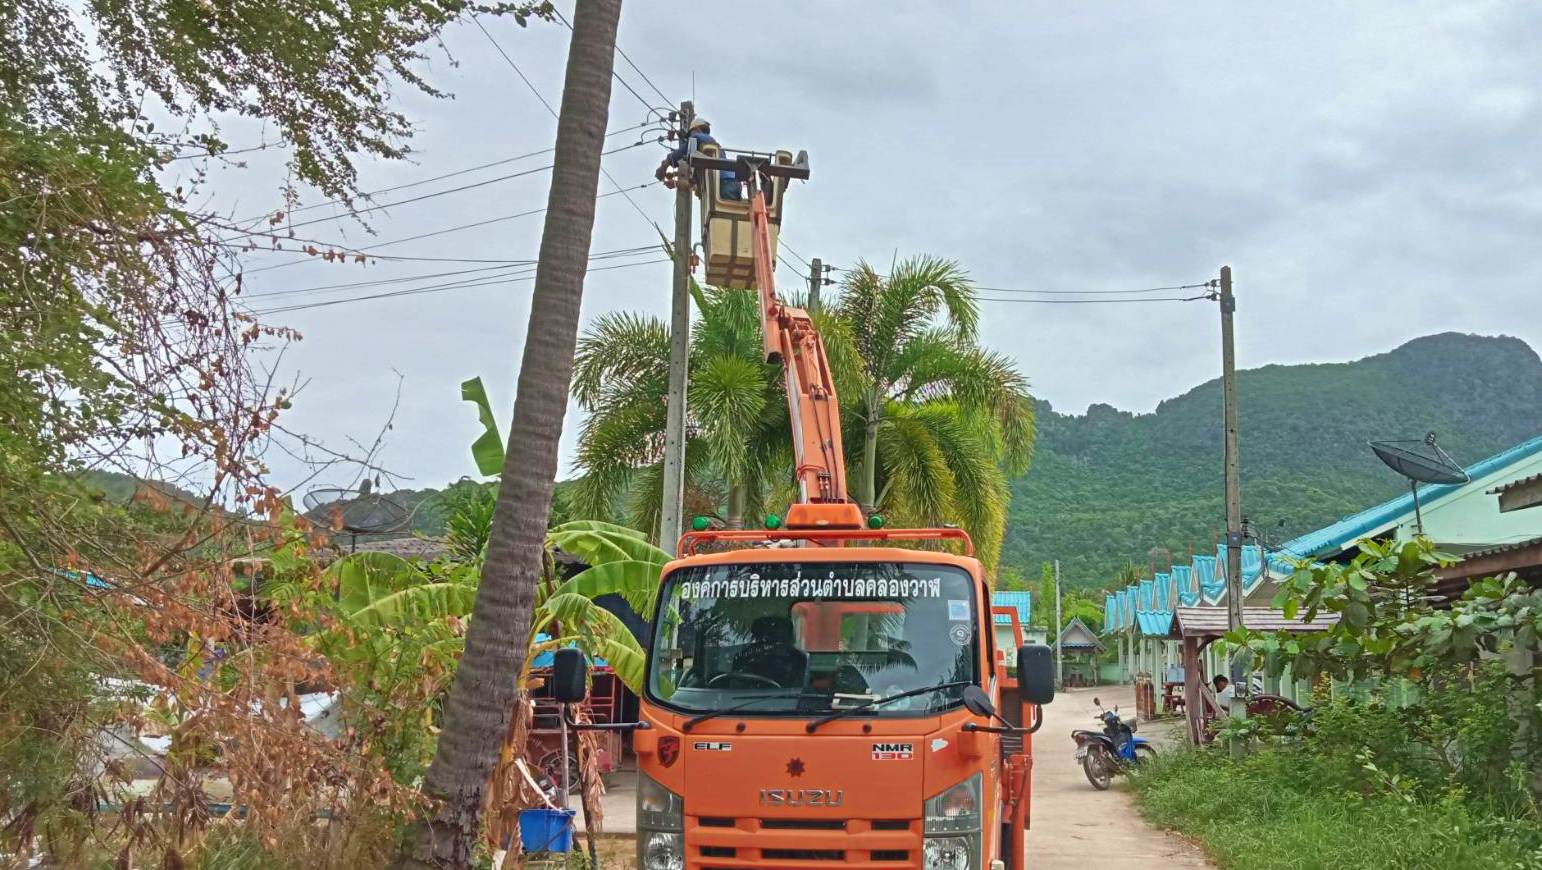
772,654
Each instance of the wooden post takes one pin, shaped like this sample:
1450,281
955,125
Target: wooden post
1191,696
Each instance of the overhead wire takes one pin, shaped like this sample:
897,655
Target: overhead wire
513,264
624,82
1133,293
433,178
348,252
464,187
439,288
553,112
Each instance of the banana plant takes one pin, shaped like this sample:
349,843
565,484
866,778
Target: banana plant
381,596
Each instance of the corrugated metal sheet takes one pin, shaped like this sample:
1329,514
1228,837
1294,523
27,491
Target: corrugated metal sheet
1021,601
1212,621
1341,534
1514,484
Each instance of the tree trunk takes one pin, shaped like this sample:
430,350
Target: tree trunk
867,493
738,494
482,696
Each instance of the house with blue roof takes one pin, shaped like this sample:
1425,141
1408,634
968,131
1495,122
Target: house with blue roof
1462,519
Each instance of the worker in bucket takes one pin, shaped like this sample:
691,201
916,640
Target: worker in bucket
701,133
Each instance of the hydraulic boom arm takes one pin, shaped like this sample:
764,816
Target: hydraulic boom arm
792,339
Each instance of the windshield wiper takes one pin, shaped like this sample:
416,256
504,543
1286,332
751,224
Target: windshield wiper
726,711
868,705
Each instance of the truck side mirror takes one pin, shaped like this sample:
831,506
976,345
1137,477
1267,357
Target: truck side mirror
569,676
1036,673
978,703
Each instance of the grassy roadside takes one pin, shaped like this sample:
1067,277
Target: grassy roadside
1280,810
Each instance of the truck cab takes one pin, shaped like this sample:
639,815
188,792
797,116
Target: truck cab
812,707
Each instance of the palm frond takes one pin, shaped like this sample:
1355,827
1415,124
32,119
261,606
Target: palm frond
918,483
620,347
728,398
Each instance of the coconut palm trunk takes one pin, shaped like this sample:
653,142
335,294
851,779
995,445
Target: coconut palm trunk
867,485
481,698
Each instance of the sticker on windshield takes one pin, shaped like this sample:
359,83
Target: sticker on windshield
958,609
816,587
893,751
959,634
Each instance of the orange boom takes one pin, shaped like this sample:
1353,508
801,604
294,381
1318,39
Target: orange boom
819,694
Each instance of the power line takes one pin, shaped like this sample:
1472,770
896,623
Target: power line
782,243
348,252
1142,299
513,264
1165,289
431,179
438,193
1171,288
553,113
454,285
624,83
667,100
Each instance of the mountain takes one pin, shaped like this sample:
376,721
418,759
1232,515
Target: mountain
1108,485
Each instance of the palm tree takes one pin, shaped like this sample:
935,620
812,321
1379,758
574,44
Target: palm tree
939,421
481,696
738,422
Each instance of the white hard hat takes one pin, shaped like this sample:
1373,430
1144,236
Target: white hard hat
699,123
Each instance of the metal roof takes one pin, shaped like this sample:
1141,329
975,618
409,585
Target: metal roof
1352,528
1502,548
1022,601
1076,623
1515,484
1213,621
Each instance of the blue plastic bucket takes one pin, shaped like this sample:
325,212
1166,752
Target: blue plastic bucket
546,830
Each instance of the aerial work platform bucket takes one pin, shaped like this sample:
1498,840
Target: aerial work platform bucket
726,239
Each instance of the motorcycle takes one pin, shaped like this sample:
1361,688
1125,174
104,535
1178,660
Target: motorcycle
1113,750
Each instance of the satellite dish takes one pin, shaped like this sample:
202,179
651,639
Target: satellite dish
1420,462
356,511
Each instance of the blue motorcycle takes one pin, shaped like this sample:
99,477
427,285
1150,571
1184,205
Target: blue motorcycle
1111,751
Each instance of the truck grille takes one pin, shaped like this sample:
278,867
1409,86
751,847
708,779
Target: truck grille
727,843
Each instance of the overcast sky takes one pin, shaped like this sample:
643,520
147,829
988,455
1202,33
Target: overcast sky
1370,173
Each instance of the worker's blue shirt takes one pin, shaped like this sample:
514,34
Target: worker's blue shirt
699,137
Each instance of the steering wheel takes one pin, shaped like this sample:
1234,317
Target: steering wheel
756,677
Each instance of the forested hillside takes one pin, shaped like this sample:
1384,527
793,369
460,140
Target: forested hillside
1107,486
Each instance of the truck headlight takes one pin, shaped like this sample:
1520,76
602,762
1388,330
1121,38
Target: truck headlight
956,810
662,850
660,823
954,815
947,853
658,808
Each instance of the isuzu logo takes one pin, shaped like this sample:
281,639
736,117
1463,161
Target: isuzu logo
801,797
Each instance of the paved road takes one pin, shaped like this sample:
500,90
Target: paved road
1076,827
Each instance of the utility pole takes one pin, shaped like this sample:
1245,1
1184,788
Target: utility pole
679,352
817,271
1059,653
1234,537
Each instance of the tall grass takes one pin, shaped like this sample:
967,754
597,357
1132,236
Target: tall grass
1281,810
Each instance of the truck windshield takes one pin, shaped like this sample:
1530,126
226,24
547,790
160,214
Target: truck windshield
813,637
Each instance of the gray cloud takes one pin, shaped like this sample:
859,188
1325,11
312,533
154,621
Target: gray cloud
1370,171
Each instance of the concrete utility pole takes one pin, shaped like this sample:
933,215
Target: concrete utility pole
816,279
817,271
679,353
1059,653
1234,537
